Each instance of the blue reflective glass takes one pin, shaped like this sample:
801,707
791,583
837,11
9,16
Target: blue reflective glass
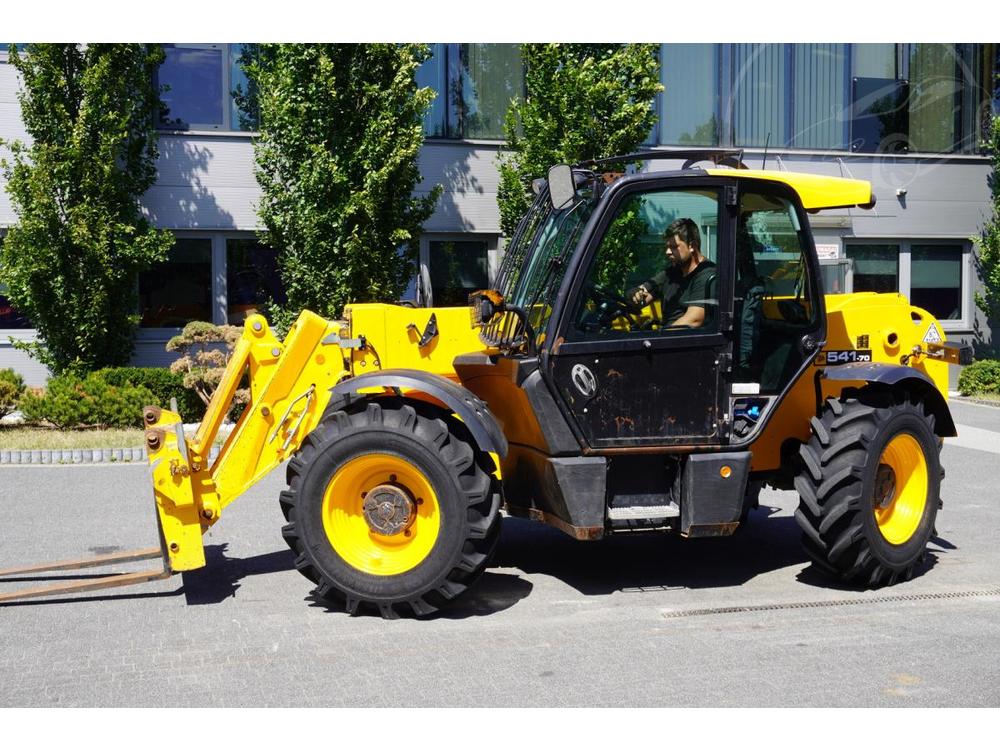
193,81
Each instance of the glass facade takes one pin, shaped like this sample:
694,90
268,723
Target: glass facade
932,275
936,279
689,104
9,317
252,279
199,84
179,290
876,267
475,84
457,268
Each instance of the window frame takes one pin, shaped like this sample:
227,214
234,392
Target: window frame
452,125
580,263
493,255
227,126
959,325
18,334
218,273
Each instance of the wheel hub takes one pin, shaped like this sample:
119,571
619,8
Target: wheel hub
885,486
388,510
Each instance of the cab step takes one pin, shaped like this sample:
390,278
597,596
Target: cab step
643,512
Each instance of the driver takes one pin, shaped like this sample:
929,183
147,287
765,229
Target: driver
683,286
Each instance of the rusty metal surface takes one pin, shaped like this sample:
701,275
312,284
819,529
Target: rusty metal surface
113,581
105,582
148,553
583,533
644,399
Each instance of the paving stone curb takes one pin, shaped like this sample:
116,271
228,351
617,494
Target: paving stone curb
80,456
974,400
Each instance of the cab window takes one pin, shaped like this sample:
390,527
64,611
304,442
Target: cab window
774,300
642,277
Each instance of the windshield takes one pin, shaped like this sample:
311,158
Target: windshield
535,264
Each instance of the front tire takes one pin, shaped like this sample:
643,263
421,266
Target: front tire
390,506
869,486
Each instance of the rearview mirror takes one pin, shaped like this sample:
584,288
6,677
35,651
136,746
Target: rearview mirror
562,191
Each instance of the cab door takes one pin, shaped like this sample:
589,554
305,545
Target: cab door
624,377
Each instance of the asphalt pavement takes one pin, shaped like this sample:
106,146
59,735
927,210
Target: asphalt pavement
637,620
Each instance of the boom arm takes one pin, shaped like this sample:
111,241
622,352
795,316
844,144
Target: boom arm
289,390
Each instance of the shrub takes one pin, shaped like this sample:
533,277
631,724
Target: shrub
205,349
163,384
71,401
11,388
980,377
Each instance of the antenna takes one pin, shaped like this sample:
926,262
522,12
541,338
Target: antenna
766,144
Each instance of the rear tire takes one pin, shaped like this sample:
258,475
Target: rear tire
869,486
413,559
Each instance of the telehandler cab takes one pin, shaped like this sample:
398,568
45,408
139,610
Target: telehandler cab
565,400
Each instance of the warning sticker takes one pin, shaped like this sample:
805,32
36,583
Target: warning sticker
932,336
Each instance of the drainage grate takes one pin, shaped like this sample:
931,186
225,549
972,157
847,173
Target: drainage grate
832,603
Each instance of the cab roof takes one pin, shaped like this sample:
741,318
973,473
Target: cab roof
815,191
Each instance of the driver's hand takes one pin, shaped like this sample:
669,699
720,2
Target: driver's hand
642,297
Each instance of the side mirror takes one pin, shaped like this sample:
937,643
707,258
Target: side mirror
562,191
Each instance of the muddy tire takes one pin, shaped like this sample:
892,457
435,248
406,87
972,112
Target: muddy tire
869,486
390,506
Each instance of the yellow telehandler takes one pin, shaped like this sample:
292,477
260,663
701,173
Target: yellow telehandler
656,347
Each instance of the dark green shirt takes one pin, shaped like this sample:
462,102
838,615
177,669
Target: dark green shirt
678,292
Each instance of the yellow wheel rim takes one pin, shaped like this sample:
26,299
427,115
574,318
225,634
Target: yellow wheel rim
901,485
397,528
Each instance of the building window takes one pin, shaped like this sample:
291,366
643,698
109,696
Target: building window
252,279
790,95
689,103
820,116
475,84
922,98
932,275
936,279
179,290
5,50
10,318
876,267
457,268
760,93
433,73
199,82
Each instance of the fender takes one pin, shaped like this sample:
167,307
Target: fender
900,375
474,413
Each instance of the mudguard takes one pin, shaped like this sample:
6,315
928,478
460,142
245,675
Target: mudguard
474,413
892,375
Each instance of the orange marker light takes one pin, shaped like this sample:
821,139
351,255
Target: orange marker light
725,472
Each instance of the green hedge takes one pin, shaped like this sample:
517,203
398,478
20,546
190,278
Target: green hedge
71,401
163,384
112,397
980,377
11,389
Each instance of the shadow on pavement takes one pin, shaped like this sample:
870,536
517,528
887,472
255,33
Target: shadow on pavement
221,576
492,593
652,559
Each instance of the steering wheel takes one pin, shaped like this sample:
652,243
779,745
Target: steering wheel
611,306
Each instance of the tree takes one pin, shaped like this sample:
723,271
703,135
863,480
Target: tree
72,259
341,127
988,241
582,101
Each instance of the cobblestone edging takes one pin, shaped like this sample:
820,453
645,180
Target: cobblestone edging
974,400
80,456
